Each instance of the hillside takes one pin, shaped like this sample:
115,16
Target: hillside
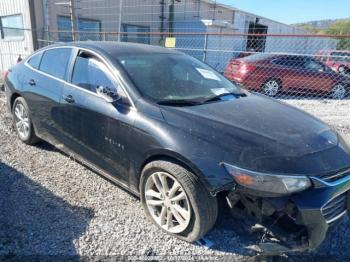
338,27
319,24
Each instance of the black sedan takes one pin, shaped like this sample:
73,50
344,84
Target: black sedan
173,131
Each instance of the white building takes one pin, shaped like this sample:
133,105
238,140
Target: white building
140,20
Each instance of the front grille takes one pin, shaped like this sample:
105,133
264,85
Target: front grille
335,208
332,177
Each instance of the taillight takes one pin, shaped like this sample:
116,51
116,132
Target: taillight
233,66
5,74
246,68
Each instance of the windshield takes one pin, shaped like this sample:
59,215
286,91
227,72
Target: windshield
341,57
175,77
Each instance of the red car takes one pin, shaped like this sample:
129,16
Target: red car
273,74
338,60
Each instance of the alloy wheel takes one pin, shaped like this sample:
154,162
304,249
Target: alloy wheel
22,121
341,69
338,92
167,202
271,88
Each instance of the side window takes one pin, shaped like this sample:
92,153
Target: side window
295,62
314,66
279,61
34,61
55,62
89,73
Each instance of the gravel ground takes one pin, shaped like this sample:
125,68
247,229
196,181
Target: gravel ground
51,205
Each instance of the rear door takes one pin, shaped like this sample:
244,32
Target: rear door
319,80
96,129
290,70
45,80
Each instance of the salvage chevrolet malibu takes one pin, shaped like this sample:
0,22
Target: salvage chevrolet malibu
182,137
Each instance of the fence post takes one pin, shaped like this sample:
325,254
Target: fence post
2,63
205,47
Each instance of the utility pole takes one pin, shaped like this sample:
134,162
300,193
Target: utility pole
171,17
214,13
162,18
71,6
120,19
46,20
72,18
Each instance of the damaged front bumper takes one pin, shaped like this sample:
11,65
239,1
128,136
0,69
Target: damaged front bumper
293,223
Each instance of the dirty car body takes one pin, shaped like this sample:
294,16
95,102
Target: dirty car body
273,161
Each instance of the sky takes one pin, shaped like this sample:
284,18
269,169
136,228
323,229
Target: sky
294,11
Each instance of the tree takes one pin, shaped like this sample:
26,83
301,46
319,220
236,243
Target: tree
309,28
340,28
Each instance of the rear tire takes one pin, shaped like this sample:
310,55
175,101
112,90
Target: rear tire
199,215
343,70
22,122
271,87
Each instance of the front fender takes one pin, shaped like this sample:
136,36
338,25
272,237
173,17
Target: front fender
201,158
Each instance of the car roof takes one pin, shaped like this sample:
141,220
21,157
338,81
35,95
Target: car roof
262,57
258,57
329,51
119,48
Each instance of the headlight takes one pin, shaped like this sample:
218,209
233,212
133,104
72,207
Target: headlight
267,183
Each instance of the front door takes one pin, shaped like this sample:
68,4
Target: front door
96,129
317,78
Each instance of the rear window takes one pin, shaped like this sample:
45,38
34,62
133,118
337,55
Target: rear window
257,57
55,62
34,61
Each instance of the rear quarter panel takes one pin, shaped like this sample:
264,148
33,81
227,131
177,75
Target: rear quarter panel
14,83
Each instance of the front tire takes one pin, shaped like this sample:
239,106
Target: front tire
338,92
22,122
176,201
344,70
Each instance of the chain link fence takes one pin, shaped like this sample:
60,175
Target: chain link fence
258,53
284,66
277,65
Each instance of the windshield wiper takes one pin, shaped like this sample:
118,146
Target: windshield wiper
186,102
218,97
179,102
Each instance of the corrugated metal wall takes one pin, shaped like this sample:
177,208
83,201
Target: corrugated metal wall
10,49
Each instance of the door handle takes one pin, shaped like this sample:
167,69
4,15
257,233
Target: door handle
32,82
69,99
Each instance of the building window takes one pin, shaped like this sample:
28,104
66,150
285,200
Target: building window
90,26
136,34
255,42
12,27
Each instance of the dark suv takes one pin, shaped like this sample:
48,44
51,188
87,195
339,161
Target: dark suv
171,130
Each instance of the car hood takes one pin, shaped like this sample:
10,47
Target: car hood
262,134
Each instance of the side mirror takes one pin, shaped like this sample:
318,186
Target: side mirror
107,93
322,69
